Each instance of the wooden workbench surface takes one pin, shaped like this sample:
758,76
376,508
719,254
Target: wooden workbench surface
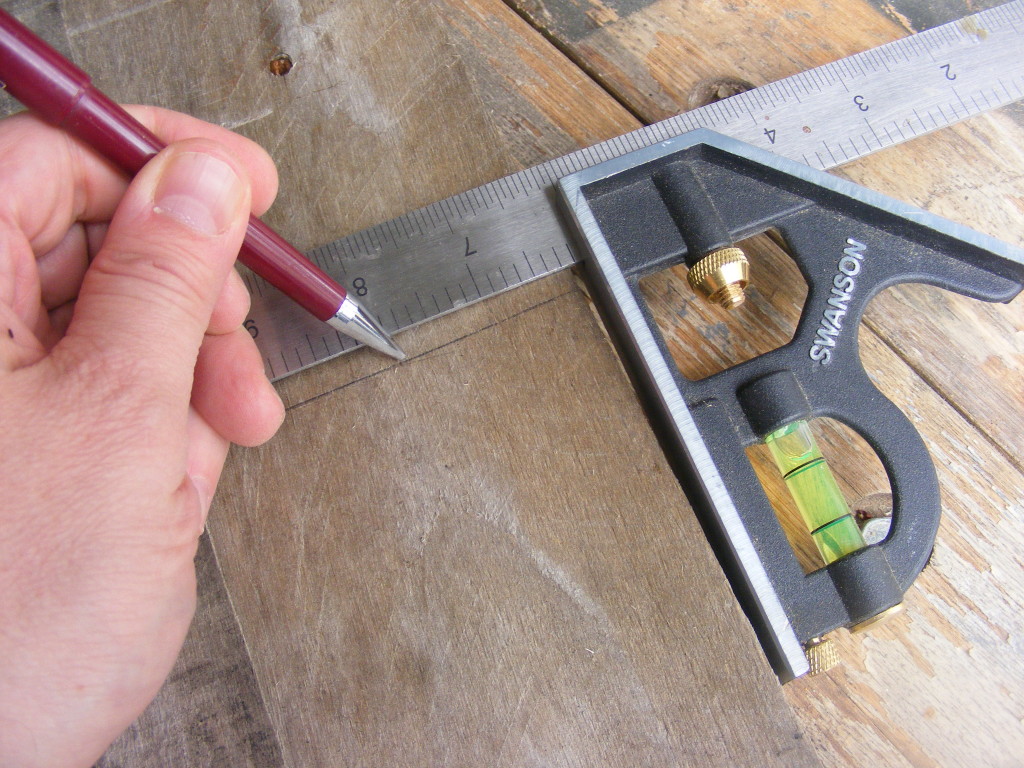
480,556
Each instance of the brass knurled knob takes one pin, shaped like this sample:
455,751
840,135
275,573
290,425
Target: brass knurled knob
822,655
721,277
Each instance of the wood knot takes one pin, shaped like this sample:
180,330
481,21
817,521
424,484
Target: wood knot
713,89
281,64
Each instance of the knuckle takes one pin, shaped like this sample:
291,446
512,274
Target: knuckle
173,276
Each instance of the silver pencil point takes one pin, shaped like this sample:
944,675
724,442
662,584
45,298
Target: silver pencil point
352,320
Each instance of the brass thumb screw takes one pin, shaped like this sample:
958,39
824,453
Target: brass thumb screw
821,655
721,277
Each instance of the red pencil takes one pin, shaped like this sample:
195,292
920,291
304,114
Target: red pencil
63,95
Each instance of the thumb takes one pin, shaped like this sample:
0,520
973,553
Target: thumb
146,299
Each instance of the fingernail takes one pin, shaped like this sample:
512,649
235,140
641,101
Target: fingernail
200,191
205,492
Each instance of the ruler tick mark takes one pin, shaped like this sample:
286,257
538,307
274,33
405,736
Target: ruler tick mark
475,284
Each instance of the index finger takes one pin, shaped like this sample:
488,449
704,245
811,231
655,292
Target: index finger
49,180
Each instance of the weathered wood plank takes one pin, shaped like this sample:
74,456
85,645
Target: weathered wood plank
661,57
530,588
446,606
970,351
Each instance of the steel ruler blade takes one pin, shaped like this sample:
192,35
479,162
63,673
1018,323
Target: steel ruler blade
465,248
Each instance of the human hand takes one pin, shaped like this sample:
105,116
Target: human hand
124,375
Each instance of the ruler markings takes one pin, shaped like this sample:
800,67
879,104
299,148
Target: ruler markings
452,211
419,218
961,100
367,240
476,285
442,215
510,226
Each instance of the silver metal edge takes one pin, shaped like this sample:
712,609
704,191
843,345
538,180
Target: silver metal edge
708,137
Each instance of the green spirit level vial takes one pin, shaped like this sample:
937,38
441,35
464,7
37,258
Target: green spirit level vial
815,491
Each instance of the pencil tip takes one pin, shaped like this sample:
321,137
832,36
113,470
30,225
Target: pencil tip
354,321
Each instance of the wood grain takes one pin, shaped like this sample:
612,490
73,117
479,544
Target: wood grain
440,614
516,595
663,58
